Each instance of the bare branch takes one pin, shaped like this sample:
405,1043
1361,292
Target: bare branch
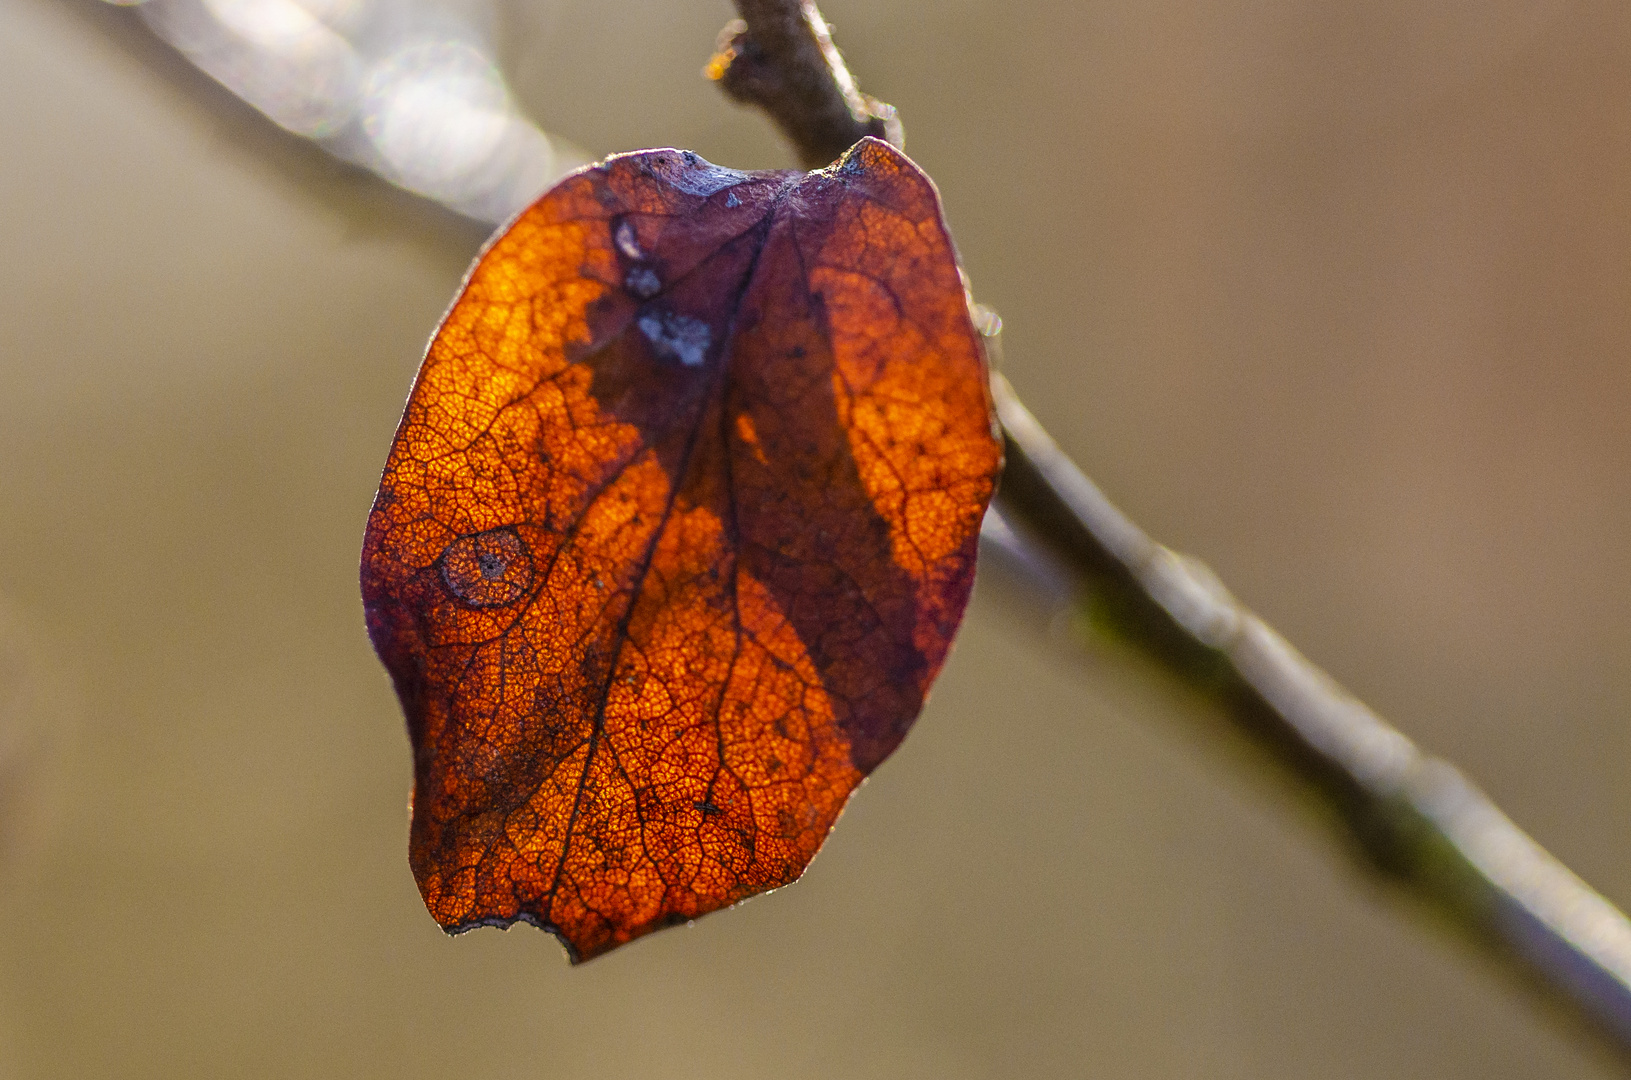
780,57
1413,818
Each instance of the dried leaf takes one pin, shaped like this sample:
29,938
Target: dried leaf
675,534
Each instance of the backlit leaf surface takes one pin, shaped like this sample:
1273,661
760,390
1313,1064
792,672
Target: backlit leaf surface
675,533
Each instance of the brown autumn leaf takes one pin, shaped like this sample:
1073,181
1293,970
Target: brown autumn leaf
677,528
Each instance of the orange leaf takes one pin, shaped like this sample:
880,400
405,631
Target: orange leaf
675,534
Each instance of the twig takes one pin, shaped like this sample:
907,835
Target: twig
1411,817
780,57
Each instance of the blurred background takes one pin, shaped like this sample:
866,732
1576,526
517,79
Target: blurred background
1335,296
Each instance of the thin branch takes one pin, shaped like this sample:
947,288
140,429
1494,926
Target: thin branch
1409,816
1412,817
780,57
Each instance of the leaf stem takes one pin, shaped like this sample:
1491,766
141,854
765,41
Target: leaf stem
1412,818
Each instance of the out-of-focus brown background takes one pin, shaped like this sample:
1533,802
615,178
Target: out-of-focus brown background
1335,296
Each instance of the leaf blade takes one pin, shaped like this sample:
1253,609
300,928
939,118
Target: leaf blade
674,535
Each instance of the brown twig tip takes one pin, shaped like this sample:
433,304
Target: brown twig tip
779,56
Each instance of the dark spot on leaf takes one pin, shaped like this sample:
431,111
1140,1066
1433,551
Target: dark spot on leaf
487,569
